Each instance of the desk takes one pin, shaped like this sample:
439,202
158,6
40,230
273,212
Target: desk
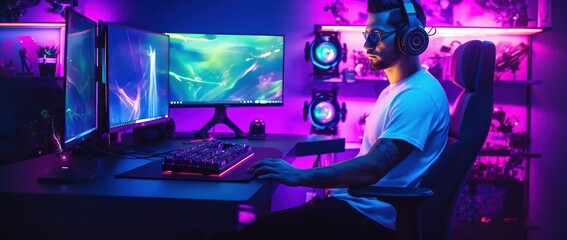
112,207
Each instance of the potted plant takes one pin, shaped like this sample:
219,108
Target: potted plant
47,58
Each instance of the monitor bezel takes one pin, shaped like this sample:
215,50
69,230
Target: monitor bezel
232,104
68,144
148,122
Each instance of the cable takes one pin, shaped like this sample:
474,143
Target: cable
434,29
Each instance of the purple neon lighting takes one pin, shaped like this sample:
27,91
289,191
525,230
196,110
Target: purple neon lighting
246,213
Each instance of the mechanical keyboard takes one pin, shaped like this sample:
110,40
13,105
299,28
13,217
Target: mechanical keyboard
210,157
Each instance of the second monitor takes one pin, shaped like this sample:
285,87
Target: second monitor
137,77
220,70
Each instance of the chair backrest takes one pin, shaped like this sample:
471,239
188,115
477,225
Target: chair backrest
472,70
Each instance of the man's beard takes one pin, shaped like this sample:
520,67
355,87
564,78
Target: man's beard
384,62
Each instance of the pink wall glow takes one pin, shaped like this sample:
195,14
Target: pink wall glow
548,193
106,10
30,37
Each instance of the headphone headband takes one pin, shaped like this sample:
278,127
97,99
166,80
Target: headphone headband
408,6
412,39
411,15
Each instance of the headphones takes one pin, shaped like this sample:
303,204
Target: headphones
411,39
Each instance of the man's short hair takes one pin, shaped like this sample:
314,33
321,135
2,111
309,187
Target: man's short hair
396,19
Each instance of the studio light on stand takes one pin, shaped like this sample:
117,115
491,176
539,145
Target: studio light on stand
325,53
324,112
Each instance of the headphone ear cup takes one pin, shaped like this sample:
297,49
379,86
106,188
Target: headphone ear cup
417,41
412,41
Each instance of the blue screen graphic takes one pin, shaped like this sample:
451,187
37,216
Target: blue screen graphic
80,78
137,76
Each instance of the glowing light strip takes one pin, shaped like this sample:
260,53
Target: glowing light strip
237,164
450,31
32,25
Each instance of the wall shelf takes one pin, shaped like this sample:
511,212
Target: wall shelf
507,153
496,82
520,82
448,31
39,25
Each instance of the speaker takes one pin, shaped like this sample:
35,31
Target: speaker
324,111
326,53
411,39
257,130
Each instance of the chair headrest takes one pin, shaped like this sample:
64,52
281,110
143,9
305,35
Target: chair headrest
472,61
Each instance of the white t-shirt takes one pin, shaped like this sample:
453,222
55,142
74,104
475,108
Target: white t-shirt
415,110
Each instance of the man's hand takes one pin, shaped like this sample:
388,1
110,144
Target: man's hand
279,170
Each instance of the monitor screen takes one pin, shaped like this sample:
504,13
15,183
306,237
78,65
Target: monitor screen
80,79
223,69
137,77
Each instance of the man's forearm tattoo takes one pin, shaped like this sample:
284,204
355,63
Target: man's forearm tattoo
388,156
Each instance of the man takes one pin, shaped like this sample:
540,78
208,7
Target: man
405,133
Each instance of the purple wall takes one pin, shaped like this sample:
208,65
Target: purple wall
548,193
295,19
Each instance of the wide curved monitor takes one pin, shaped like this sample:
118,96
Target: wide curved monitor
220,70
137,77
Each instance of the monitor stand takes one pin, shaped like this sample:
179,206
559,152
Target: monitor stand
69,169
219,117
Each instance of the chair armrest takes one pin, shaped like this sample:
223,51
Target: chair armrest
397,196
393,193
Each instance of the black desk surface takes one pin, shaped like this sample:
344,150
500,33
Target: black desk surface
109,206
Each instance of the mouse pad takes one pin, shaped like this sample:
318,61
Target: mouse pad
237,174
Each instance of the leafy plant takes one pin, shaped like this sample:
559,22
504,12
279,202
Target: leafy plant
47,51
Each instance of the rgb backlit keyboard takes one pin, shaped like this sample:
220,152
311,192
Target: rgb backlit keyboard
210,157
